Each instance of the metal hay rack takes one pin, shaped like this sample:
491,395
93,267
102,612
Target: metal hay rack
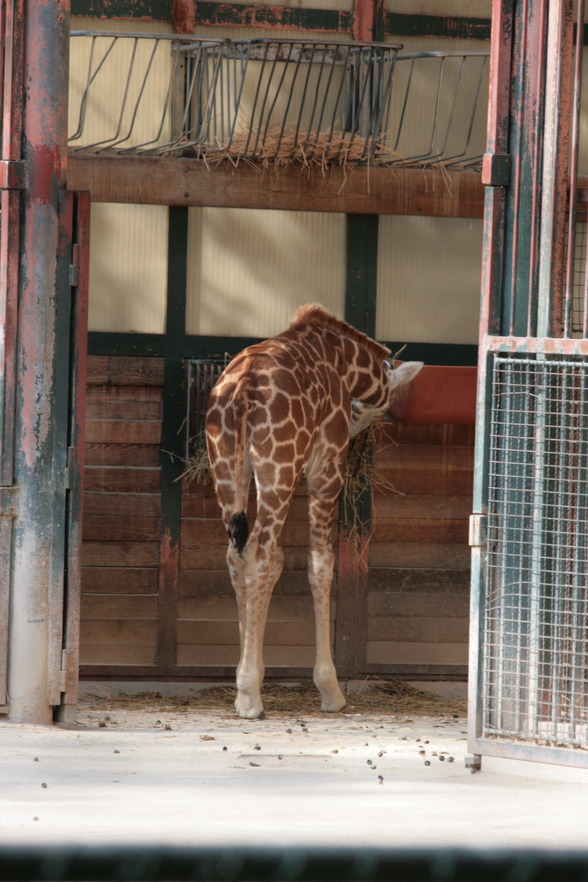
281,100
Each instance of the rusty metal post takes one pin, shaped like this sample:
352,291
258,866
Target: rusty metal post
40,449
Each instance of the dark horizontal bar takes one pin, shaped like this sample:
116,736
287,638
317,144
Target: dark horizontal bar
287,17
156,345
462,27
146,863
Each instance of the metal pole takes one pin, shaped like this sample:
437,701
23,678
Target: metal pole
40,453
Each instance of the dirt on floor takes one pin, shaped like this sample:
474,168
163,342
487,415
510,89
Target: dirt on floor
385,698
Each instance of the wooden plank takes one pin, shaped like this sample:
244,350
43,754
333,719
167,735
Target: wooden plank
142,432
104,409
226,633
112,580
398,505
439,459
440,530
208,583
212,556
212,530
405,653
120,554
288,657
119,606
118,654
204,505
124,479
134,455
441,434
416,604
114,395
208,655
114,529
182,181
124,371
110,631
388,580
122,504
427,480
418,629
98,369
425,555
131,371
284,609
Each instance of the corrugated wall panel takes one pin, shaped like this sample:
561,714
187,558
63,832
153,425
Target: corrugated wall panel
429,279
249,270
128,271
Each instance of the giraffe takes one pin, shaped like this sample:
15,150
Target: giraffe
284,408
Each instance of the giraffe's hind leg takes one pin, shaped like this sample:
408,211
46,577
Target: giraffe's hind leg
261,569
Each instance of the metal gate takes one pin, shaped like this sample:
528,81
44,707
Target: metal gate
43,342
529,533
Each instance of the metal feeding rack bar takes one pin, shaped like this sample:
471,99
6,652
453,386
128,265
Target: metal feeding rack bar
275,100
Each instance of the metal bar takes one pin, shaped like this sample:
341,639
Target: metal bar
491,303
551,280
573,179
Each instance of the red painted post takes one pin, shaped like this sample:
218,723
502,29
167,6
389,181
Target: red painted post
34,684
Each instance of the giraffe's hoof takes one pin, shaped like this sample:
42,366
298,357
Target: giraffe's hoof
333,705
248,710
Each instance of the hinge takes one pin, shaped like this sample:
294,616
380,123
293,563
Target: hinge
496,169
478,530
73,267
12,174
63,671
69,468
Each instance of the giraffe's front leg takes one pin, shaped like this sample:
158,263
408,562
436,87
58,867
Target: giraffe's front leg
320,576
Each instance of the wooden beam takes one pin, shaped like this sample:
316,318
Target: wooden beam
430,192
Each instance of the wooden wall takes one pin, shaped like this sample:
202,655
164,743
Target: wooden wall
418,582
415,609
121,520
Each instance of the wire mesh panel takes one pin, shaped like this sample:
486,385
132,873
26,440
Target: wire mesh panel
202,375
535,617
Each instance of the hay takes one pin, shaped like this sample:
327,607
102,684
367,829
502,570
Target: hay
277,147
197,465
377,698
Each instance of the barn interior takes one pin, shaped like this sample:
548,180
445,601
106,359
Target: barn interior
196,251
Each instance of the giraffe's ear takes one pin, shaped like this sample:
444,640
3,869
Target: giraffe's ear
404,373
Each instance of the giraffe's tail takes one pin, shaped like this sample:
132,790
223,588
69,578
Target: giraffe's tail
238,528
238,531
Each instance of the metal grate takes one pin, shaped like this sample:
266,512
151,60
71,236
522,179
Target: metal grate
536,609
202,375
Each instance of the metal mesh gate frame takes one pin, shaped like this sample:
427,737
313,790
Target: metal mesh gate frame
534,666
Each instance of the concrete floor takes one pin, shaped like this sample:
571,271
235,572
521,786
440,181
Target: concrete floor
187,778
